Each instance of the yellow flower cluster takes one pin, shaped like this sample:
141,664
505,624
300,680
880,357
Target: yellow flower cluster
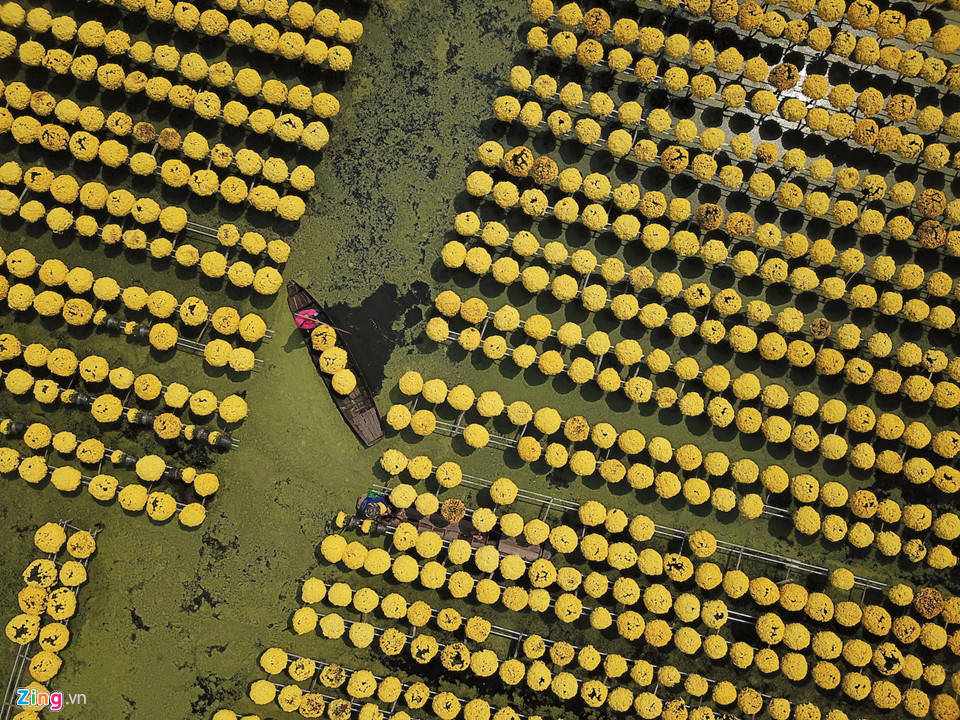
86,146
94,196
745,262
62,363
630,624
287,127
264,37
302,16
186,255
160,304
290,45
547,420
456,657
233,189
652,205
865,132
160,506
751,17
49,598
804,488
771,346
104,487
406,569
361,685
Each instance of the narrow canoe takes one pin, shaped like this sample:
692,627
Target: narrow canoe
357,408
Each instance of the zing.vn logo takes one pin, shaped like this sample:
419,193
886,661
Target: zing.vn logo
30,697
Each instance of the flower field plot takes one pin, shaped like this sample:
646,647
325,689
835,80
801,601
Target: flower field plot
658,302
47,602
104,175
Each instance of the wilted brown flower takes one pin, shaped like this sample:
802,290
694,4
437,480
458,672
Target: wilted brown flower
820,328
709,216
931,234
928,602
931,202
784,76
544,170
169,139
144,132
453,510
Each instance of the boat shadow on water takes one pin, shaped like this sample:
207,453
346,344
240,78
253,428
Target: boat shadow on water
371,325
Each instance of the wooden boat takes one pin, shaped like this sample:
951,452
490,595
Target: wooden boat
357,408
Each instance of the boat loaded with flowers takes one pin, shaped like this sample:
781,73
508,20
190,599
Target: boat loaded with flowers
336,365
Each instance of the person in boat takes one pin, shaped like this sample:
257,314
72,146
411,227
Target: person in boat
306,319
322,336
